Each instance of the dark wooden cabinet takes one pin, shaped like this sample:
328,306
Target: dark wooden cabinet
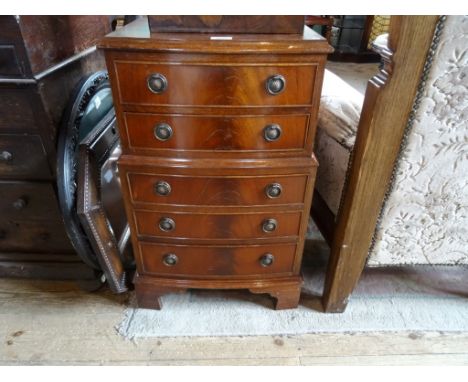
41,60
217,167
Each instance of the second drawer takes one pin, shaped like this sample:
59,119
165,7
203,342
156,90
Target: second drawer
210,226
200,133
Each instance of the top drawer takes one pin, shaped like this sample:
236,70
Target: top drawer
215,84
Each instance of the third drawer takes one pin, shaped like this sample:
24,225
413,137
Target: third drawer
219,133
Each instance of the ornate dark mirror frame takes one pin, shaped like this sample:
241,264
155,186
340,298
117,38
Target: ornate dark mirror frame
88,183
105,223
67,161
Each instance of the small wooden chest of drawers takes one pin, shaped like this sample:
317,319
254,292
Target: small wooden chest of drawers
217,165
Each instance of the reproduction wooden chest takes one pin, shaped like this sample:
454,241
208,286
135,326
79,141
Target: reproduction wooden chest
217,165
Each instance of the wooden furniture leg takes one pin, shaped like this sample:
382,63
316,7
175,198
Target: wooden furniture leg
287,296
387,105
148,295
146,298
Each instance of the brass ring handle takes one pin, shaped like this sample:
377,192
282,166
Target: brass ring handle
157,83
273,190
6,156
163,132
170,259
20,203
267,260
162,188
272,132
275,84
166,224
269,225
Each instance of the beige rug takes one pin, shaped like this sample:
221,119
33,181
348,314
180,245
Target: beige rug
406,299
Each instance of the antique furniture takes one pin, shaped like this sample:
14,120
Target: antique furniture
226,24
41,60
99,204
217,165
403,198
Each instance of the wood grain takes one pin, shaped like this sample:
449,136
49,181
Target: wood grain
36,80
231,84
218,165
136,36
227,24
218,261
55,323
51,39
387,104
46,236
27,157
28,200
221,190
218,227
16,110
219,133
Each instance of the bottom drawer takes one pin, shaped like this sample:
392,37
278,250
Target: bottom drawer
46,236
193,260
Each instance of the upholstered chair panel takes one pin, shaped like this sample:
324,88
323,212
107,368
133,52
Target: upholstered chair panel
424,219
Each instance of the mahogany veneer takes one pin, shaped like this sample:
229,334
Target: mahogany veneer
215,132
217,165
227,24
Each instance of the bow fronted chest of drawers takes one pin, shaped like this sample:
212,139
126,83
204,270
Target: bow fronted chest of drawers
217,164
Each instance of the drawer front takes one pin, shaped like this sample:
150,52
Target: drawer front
210,226
216,191
31,201
214,84
46,236
23,156
193,261
9,62
16,111
254,133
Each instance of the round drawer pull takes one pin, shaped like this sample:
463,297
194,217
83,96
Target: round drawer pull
163,131
275,84
162,188
170,259
269,225
20,203
157,83
273,190
267,260
6,156
166,224
272,132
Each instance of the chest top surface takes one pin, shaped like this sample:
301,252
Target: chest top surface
136,36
